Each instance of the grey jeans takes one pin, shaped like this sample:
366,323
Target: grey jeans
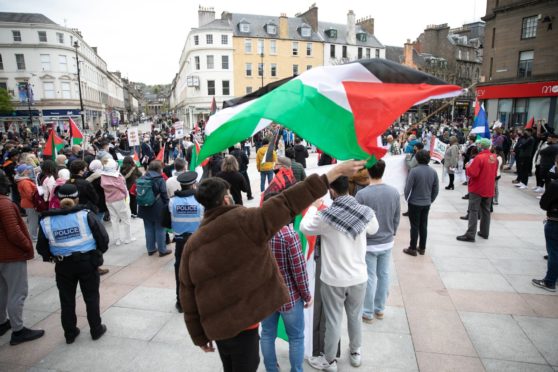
13,291
333,300
33,222
478,204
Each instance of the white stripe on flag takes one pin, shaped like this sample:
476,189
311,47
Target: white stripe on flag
222,116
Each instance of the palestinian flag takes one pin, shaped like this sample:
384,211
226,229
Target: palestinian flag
76,137
161,154
136,159
341,109
530,123
195,156
53,145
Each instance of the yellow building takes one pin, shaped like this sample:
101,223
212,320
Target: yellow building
267,49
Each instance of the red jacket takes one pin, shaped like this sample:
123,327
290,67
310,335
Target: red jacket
482,172
15,241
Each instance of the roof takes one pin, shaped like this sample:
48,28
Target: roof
218,24
371,40
25,18
257,23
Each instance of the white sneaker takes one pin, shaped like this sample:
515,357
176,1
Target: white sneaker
534,188
522,187
129,241
539,190
117,242
520,184
321,363
355,359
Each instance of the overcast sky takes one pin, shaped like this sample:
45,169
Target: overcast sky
144,39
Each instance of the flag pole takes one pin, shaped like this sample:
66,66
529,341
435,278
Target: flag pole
445,105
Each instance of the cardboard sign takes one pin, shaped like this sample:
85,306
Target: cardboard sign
178,129
133,137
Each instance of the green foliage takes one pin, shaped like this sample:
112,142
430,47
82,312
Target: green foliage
6,106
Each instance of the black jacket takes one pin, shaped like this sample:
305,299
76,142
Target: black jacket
153,212
87,194
241,158
99,232
301,153
549,200
548,156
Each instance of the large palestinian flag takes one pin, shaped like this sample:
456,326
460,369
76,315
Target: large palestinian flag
341,109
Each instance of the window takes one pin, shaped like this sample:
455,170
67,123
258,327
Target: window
493,36
209,39
529,27
332,51
260,69
260,46
197,62
48,90
331,33
359,52
295,48
305,31
20,61
377,53
272,46
247,45
211,87
16,35
244,27
196,40
66,91
45,62
368,55
63,62
525,63
273,70
209,62
344,51
490,68
225,62
248,90
226,88
1,63
42,36
308,49
3,85
308,67
295,69
361,36
271,29
224,39
60,37
248,69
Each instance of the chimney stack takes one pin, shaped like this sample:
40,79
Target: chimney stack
311,17
205,15
283,26
367,24
351,28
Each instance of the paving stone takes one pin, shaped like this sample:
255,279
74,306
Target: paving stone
430,362
520,266
522,284
469,265
395,321
490,302
492,365
156,299
500,337
476,281
542,333
133,323
546,306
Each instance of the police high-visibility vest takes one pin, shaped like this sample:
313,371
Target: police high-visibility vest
68,233
186,214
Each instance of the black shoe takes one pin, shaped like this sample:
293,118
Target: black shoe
515,181
466,197
449,187
250,198
134,215
465,238
4,327
99,334
26,334
72,338
482,236
106,218
421,251
151,253
178,307
545,257
542,284
465,183
410,252
163,254
466,217
406,214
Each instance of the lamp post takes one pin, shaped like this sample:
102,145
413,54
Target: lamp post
76,46
261,56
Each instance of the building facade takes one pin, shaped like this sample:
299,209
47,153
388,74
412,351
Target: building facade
520,66
205,69
39,70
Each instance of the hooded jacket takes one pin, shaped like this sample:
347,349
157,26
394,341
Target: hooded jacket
114,185
153,212
26,188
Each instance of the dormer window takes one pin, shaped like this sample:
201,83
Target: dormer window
244,26
271,28
331,33
361,36
305,30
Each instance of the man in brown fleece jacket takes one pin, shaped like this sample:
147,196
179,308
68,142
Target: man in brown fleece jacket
229,280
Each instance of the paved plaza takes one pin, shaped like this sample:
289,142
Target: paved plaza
461,307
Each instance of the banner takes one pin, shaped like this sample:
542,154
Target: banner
133,137
437,149
178,129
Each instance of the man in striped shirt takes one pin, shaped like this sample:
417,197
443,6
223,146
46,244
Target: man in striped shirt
287,251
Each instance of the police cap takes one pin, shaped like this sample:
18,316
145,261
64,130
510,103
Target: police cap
67,190
187,178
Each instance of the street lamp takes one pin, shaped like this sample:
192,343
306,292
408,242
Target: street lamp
76,46
261,56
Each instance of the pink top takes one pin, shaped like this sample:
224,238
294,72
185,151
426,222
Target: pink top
115,187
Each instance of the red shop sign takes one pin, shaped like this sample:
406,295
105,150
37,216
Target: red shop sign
542,89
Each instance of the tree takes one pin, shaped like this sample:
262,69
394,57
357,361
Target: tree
6,106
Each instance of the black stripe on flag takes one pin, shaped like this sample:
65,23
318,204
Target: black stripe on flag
394,73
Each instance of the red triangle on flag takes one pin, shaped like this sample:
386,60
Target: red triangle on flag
53,144
161,154
76,137
530,123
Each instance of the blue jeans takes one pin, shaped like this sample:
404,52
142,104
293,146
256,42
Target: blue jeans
154,233
263,175
551,237
377,289
294,325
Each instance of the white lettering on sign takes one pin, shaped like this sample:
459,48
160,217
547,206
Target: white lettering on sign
547,89
68,233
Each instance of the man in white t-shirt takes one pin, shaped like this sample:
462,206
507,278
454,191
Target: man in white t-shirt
172,183
343,228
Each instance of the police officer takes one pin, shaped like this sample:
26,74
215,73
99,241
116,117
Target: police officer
75,240
184,215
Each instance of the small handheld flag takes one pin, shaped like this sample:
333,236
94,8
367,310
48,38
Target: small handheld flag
76,137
